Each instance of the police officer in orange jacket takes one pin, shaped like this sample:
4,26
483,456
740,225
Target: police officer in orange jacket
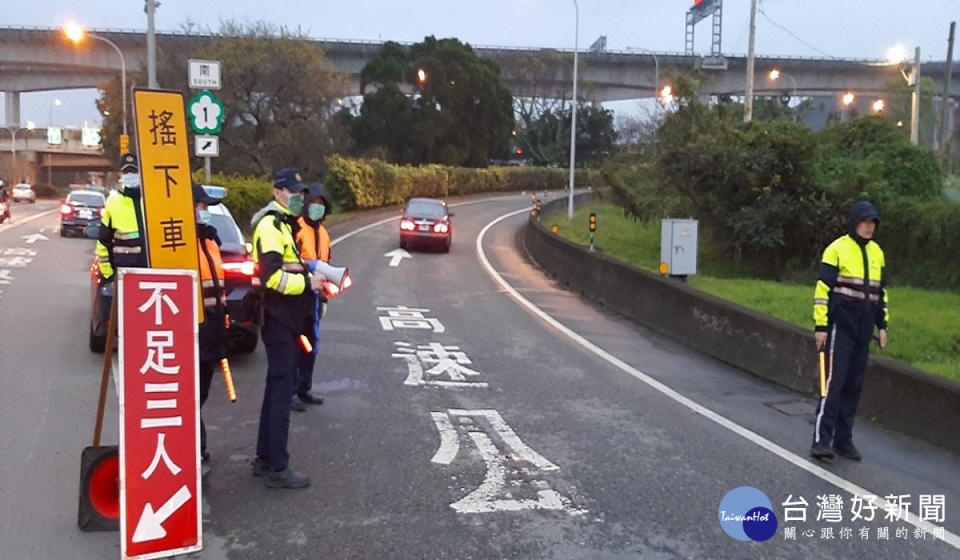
313,240
213,330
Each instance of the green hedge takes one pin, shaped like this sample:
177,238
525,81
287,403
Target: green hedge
358,183
362,183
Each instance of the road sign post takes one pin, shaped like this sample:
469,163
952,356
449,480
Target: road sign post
159,401
167,186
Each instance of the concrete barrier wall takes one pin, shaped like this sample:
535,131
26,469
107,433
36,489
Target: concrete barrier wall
895,394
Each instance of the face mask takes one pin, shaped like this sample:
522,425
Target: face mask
295,203
316,211
130,179
203,216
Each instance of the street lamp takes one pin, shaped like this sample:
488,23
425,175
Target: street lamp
76,34
55,103
13,130
878,105
665,94
847,100
573,109
422,76
656,70
897,54
775,74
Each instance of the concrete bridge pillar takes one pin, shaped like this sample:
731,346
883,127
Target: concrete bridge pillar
11,102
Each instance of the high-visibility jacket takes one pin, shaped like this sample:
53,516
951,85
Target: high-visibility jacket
313,240
121,239
287,295
213,330
851,289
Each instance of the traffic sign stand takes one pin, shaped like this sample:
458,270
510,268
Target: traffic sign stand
99,508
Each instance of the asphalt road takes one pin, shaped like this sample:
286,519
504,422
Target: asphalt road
502,429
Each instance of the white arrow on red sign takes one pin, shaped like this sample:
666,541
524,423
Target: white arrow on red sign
150,526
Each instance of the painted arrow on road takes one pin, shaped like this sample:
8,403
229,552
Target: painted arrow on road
396,256
150,526
34,237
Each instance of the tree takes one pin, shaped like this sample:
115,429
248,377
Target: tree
279,95
460,113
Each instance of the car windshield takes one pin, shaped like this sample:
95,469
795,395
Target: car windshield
426,208
226,228
86,199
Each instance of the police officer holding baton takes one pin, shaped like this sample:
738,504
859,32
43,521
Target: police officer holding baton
288,304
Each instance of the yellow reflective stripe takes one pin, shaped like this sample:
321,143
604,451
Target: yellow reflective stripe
209,301
849,292
127,250
292,267
821,302
282,286
102,251
207,284
821,293
126,236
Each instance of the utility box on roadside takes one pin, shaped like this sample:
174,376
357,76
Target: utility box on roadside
678,247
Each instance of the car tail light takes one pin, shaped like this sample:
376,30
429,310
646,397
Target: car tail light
102,211
407,225
441,227
240,268
66,209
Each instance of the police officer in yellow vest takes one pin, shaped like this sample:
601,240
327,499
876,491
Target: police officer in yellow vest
313,241
213,330
849,302
287,306
120,242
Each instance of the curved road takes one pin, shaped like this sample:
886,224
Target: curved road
474,410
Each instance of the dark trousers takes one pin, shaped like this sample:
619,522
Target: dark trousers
206,377
305,364
279,342
846,359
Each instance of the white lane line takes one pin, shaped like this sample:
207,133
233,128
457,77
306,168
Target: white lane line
821,473
28,219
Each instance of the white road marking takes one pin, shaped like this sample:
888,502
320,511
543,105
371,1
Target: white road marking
32,238
950,538
36,216
396,256
492,494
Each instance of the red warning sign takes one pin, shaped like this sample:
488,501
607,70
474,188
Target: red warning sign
159,420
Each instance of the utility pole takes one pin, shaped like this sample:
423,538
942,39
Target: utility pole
151,9
573,113
751,54
945,99
915,101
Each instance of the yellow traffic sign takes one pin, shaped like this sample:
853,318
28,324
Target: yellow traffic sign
162,145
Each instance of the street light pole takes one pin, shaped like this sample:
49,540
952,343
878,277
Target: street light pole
76,34
151,10
915,100
751,55
573,111
13,150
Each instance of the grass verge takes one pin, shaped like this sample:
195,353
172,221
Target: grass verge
924,324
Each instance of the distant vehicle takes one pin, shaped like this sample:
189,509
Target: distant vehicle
81,209
23,191
240,279
426,221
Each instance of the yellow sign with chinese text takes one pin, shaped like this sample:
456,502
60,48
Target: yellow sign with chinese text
171,229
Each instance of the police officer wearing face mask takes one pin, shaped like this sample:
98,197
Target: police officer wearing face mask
288,304
213,330
314,243
120,242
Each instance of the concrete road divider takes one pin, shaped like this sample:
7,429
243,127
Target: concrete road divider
895,395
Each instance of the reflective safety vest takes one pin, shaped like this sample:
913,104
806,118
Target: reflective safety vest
285,280
314,242
851,289
211,280
120,243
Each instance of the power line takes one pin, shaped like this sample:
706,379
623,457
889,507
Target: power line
791,33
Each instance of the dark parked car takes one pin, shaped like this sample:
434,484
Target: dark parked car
240,278
426,221
80,210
